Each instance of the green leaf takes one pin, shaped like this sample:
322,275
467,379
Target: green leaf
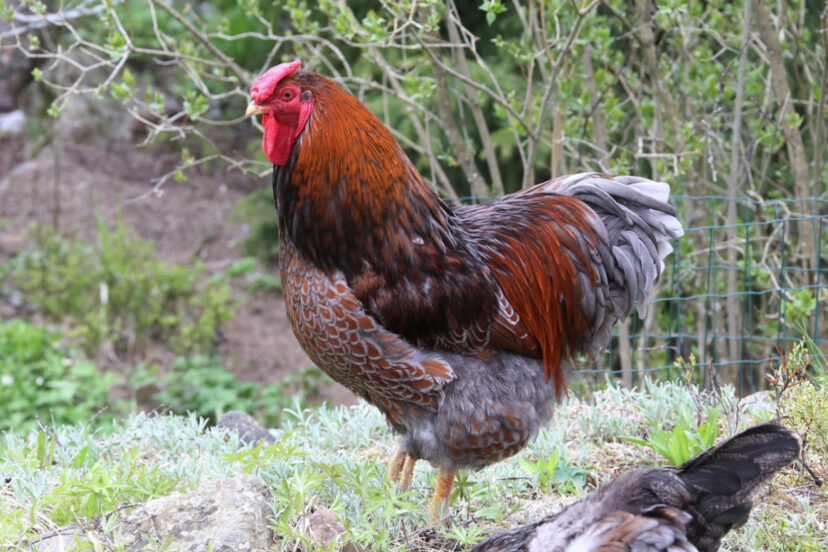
195,105
6,11
116,42
242,267
119,92
679,447
128,79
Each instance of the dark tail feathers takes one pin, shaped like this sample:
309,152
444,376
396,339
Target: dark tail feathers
723,480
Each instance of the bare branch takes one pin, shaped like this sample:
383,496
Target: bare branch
241,74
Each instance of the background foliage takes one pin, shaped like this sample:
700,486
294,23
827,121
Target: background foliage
723,100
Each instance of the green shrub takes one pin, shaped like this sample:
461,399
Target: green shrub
799,381
684,441
42,378
201,385
255,277
117,291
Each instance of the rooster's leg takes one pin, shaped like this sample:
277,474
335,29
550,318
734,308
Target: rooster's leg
401,468
396,465
407,472
442,493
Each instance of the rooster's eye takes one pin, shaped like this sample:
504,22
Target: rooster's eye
287,95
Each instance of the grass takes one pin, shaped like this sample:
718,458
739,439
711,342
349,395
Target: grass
335,458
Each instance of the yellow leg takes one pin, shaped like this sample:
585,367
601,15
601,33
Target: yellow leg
442,493
407,472
396,464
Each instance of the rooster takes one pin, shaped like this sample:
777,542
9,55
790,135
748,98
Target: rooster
458,323
684,509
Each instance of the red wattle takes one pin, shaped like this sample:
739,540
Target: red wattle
277,141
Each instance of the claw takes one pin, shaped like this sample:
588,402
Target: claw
439,506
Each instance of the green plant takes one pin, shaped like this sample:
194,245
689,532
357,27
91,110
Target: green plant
248,270
556,473
242,267
43,379
800,381
684,441
201,385
334,458
118,292
265,283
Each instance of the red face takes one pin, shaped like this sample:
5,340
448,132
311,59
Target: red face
285,109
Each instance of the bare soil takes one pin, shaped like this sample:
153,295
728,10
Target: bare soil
70,182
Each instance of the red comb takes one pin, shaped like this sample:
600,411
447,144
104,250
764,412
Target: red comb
267,83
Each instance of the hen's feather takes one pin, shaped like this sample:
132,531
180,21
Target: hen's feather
684,509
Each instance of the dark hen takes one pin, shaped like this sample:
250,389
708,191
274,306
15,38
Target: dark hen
684,509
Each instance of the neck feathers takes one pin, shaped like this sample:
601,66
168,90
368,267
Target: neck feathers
349,194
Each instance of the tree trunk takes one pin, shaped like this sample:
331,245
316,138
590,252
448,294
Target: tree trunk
793,138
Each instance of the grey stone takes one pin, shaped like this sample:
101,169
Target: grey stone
62,540
12,123
324,527
226,515
248,428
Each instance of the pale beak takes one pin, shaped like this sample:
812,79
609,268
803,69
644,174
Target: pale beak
253,109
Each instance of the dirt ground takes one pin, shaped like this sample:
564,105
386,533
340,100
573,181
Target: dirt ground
69,181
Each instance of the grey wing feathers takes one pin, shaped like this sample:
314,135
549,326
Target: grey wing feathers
639,225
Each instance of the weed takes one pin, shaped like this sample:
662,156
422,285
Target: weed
556,473
118,292
200,384
799,381
334,458
42,378
265,283
684,441
242,267
257,280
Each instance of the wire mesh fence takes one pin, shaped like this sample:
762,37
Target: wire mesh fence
746,281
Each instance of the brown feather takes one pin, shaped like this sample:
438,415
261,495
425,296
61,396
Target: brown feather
536,261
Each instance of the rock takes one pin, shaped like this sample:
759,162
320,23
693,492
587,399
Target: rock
226,515
324,527
248,428
101,122
12,123
61,540
759,404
